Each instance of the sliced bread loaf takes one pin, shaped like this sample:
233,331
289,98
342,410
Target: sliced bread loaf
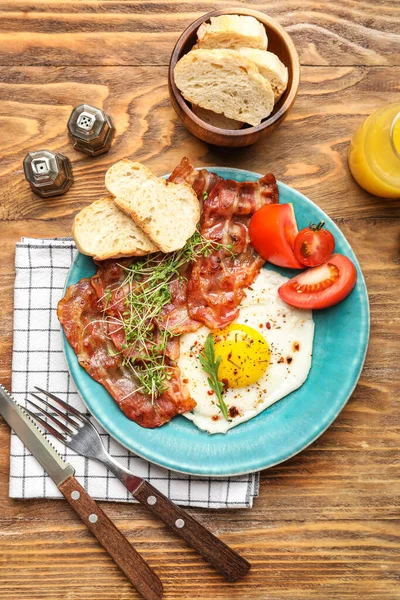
232,31
122,173
215,119
270,67
225,82
167,212
103,231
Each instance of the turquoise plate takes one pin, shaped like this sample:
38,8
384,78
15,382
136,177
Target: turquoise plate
284,429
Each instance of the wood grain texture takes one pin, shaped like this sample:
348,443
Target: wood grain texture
73,32
35,103
325,526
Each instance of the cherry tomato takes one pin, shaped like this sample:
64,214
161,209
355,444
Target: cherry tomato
273,230
320,287
314,245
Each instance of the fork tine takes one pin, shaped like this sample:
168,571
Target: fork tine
45,425
57,410
63,427
66,406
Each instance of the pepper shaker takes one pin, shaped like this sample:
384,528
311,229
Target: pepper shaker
90,130
48,173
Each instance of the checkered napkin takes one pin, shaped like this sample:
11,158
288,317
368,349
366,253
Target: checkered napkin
38,359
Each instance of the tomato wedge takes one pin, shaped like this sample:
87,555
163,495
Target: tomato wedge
273,230
314,245
323,286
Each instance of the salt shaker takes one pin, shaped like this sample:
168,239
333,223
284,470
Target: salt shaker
90,130
48,173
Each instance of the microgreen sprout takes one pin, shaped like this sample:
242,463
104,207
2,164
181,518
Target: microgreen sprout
147,292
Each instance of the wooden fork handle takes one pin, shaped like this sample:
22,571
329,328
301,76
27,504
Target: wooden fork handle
223,558
113,540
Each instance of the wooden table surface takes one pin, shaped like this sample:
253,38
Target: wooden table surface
326,523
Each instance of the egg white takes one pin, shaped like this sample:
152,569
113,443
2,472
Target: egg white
289,333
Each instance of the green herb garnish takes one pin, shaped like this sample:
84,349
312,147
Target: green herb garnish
147,284
316,227
205,196
210,366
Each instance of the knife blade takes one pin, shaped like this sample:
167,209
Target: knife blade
34,440
62,473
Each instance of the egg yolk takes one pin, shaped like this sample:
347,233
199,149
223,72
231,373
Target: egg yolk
244,355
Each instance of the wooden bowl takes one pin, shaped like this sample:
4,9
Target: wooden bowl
279,42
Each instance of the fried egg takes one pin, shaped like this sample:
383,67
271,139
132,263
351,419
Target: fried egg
265,355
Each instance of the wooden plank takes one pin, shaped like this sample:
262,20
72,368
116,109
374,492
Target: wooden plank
331,559
91,32
309,151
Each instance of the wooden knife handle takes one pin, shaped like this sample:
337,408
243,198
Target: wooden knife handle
113,540
223,558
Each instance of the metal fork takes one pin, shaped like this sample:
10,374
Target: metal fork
80,435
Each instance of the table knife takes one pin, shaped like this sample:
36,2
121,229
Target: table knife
112,539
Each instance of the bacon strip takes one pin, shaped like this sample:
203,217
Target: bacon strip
174,316
201,181
81,316
216,286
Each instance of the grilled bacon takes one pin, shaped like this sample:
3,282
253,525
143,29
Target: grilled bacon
202,181
216,286
87,332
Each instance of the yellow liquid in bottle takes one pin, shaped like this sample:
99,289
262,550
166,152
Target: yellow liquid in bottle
374,154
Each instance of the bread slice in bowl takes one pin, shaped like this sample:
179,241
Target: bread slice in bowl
232,31
225,82
270,67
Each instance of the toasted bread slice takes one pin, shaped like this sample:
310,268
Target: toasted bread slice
215,119
225,82
103,231
167,212
270,67
232,31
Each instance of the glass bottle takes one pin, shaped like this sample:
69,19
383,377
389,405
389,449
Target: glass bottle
374,154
